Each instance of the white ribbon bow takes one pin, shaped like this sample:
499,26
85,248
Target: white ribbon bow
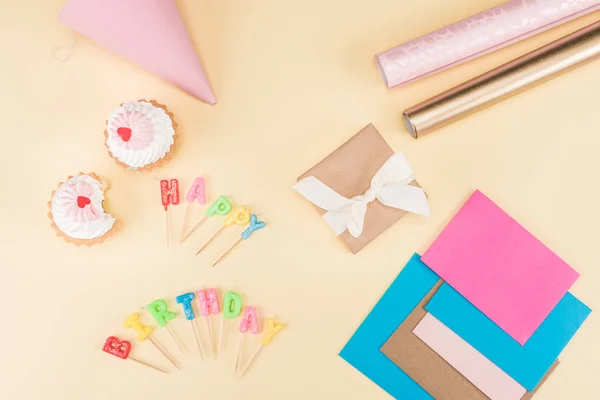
390,186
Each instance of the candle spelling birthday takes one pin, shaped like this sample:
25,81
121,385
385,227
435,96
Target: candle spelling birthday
249,322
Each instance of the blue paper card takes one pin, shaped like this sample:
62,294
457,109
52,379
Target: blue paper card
526,364
362,350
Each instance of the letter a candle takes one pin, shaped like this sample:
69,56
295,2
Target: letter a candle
273,327
249,322
197,193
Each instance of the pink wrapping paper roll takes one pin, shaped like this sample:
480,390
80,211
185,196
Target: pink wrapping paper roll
475,36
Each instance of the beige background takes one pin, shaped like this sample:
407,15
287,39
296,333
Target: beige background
294,80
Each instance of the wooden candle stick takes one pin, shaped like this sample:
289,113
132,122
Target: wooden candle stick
197,193
254,226
145,332
160,348
159,310
221,206
249,322
232,307
211,239
208,300
240,216
186,300
272,328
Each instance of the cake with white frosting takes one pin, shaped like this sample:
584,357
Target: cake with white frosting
140,134
77,212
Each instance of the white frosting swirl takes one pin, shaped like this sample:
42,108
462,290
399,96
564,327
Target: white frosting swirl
70,219
162,134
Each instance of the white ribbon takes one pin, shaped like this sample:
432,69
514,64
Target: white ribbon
390,186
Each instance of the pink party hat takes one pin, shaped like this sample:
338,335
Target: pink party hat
150,33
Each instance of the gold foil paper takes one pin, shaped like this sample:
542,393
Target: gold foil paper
514,77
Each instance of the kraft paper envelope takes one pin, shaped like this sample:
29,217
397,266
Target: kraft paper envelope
362,350
348,171
426,367
500,267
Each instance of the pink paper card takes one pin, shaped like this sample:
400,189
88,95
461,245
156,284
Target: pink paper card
500,267
481,372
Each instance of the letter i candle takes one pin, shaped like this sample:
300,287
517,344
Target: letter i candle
169,192
209,304
145,332
255,225
160,312
249,322
122,348
240,216
221,206
186,302
197,193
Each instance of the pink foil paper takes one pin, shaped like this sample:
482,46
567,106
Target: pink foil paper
149,33
475,36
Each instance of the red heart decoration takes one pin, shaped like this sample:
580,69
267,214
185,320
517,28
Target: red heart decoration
83,201
125,133
116,347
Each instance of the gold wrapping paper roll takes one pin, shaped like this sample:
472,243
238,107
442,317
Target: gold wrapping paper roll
516,76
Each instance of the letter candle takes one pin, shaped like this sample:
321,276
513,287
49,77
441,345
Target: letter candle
249,322
232,307
169,192
209,304
197,193
188,309
221,206
145,332
122,348
160,312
